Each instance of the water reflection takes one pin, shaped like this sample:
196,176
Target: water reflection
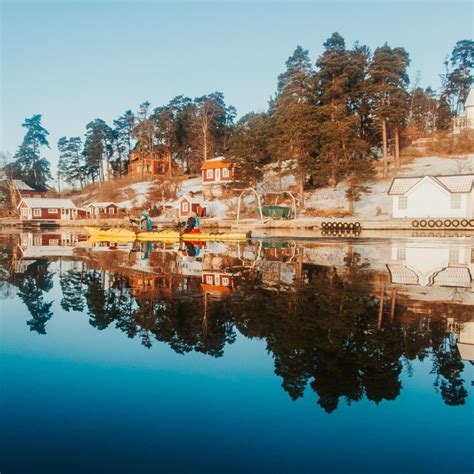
343,321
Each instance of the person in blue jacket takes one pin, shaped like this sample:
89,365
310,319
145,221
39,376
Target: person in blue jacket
144,223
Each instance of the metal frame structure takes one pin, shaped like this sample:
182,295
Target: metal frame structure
259,203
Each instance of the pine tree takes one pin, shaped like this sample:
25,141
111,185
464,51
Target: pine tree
342,153
123,142
70,163
29,165
458,78
293,116
444,114
388,93
248,147
98,149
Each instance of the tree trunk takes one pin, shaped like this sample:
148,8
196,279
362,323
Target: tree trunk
385,148
397,148
301,188
350,200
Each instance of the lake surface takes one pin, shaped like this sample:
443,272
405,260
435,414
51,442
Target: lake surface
334,355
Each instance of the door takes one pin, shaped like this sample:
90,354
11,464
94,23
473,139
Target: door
218,174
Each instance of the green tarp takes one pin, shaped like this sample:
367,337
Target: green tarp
276,211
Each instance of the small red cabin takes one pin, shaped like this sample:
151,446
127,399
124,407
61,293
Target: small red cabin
217,171
102,209
190,203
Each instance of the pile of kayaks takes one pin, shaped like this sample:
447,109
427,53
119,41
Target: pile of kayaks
164,235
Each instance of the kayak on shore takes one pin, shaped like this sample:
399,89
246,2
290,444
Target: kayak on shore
165,235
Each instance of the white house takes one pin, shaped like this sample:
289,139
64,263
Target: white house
449,196
466,120
47,209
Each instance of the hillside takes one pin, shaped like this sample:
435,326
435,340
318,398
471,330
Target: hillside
323,201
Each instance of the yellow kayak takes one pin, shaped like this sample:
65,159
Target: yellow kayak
114,232
166,235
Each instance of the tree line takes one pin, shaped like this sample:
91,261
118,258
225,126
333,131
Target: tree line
329,120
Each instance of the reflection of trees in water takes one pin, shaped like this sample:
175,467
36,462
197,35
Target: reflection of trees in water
324,331
32,284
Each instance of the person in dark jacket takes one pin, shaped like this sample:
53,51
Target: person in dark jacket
193,226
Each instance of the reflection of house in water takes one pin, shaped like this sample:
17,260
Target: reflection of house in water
465,338
51,246
280,265
422,264
218,274
149,284
44,245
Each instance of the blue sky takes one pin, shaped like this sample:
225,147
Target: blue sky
76,61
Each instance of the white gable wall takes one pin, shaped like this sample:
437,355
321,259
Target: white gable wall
427,199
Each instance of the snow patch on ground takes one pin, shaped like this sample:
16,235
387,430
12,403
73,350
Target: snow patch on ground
190,185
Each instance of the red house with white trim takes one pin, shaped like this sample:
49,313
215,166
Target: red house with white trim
41,209
217,171
190,203
102,209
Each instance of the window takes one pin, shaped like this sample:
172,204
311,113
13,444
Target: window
402,202
53,242
401,253
225,172
224,281
111,210
209,174
52,211
37,241
455,201
209,279
454,255
185,206
37,212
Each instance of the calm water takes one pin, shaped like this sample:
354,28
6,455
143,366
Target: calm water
279,357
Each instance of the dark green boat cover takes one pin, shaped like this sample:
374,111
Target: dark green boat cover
276,211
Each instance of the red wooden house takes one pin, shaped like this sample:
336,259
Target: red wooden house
102,209
217,171
47,209
190,203
150,164
217,282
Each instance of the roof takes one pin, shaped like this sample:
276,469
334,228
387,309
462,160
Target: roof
21,185
192,200
456,183
48,202
466,351
218,162
470,99
102,204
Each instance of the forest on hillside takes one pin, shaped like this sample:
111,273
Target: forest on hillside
329,120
